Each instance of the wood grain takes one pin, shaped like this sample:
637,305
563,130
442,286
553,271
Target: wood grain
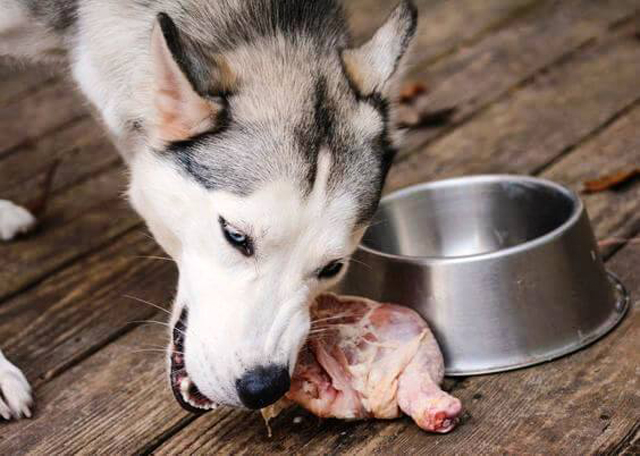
82,148
46,109
110,404
480,74
78,220
85,305
614,213
18,79
537,123
444,25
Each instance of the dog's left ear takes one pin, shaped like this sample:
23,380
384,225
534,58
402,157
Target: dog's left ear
376,66
188,97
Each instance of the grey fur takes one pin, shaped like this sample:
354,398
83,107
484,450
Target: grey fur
57,14
321,103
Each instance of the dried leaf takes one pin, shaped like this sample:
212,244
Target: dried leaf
433,119
611,181
618,241
411,91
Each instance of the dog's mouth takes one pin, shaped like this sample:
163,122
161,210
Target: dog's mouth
185,391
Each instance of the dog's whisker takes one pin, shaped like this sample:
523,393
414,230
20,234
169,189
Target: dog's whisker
151,257
159,347
360,262
148,303
160,323
147,350
147,235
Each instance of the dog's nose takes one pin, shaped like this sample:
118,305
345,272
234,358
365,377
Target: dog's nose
263,386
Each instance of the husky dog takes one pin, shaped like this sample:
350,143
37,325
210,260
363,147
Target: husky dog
258,140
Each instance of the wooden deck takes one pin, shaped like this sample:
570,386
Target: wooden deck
547,88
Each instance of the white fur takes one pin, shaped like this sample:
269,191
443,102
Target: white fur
15,391
14,220
243,312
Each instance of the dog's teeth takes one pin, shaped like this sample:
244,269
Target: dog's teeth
185,383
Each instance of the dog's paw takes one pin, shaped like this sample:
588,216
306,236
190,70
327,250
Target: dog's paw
15,392
14,220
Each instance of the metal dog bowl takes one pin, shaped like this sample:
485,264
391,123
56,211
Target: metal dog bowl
505,269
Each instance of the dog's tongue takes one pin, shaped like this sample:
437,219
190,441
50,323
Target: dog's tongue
365,359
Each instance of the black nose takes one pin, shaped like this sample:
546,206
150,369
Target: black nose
263,386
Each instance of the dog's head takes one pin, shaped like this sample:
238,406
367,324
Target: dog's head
268,156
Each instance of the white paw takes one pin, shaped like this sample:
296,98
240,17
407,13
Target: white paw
15,392
14,220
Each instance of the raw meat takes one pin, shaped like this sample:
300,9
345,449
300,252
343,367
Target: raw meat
364,359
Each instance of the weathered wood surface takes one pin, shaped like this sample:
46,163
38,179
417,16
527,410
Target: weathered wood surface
541,120
69,327
479,75
18,79
50,106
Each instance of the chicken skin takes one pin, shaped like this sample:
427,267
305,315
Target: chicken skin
365,359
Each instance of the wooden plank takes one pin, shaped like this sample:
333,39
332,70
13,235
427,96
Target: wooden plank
82,148
46,109
480,74
84,306
18,79
444,25
615,214
112,403
539,122
72,227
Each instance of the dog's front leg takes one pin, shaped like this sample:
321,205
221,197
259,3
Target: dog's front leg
15,391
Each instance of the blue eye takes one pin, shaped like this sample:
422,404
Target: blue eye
237,239
331,270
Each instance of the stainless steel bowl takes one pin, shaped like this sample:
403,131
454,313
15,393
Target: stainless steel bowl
505,269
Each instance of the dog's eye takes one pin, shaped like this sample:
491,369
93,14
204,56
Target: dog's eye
331,270
236,238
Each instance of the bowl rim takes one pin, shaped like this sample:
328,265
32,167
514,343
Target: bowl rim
577,212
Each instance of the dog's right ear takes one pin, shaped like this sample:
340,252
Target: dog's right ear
376,66
188,96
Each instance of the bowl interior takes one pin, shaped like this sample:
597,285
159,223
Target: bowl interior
468,217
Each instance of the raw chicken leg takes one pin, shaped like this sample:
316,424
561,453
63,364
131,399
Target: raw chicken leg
364,359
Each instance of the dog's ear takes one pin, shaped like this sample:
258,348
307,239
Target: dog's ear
189,89
376,66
